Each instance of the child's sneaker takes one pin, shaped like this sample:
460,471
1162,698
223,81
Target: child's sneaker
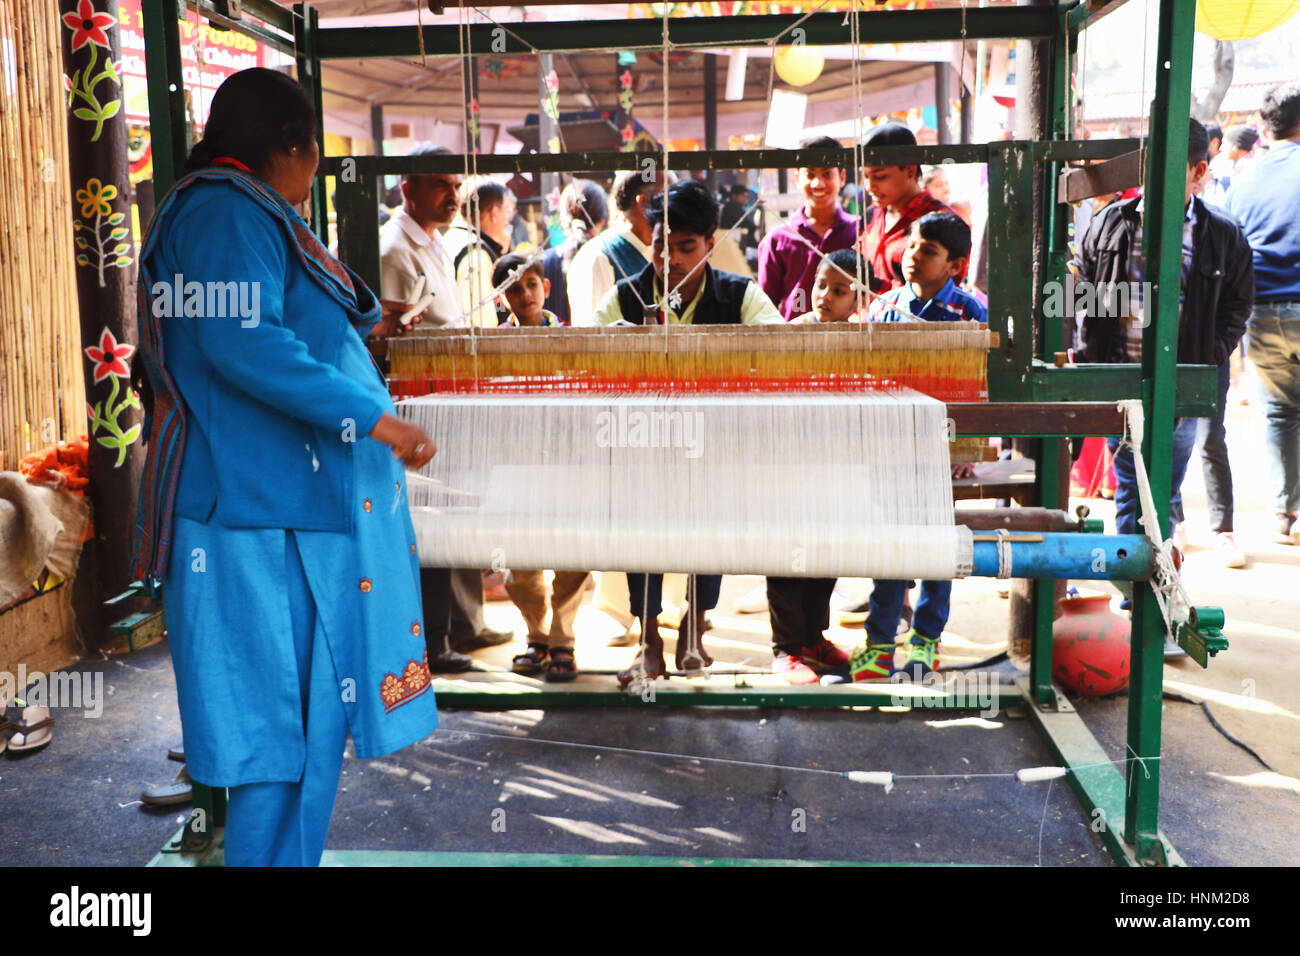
794,669
920,657
872,662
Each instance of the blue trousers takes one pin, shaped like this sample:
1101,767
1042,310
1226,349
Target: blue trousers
708,586
1126,487
929,617
285,824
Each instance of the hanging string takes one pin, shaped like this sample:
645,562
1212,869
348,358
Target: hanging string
859,179
419,31
667,297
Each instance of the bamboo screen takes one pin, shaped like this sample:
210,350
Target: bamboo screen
42,392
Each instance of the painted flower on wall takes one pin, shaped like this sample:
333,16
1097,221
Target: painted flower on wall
87,26
111,357
102,243
95,198
112,362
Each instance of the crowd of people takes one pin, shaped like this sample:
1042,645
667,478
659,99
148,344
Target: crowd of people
658,250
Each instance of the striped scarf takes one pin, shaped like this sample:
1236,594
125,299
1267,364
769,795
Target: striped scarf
165,416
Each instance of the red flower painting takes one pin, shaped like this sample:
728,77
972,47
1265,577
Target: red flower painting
110,358
87,26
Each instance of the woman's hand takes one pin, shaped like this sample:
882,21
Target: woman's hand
410,444
391,324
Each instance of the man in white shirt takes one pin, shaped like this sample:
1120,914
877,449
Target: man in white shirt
620,252
410,245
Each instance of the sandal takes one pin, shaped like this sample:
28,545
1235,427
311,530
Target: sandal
532,662
33,731
561,667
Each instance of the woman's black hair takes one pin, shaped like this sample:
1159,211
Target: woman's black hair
583,209
255,113
691,208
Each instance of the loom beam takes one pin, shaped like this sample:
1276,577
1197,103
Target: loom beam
1096,557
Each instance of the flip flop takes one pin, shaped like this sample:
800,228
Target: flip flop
179,790
176,753
33,731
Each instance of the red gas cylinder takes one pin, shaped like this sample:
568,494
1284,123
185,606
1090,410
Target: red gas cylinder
1090,646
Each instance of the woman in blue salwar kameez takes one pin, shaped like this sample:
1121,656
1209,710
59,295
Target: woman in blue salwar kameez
273,508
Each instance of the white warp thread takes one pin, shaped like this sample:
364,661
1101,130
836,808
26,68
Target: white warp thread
819,484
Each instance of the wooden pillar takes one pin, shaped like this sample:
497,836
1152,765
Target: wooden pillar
711,113
469,65
548,127
106,270
942,94
377,127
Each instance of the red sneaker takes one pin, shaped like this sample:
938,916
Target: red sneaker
825,656
794,670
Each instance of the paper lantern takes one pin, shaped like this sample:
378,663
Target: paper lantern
1241,19
799,65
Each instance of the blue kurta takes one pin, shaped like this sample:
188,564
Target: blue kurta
236,573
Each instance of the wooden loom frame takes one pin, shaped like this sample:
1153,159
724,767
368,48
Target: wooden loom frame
1029,396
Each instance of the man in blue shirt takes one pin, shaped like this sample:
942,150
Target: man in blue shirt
1265,203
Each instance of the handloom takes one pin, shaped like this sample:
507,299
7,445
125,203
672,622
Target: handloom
771,450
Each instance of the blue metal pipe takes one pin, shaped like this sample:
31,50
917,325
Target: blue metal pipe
1106,557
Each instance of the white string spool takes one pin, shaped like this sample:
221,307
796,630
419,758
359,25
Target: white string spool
1035,774
881,778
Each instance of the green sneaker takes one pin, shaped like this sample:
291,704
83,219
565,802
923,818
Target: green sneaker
872,662
920,657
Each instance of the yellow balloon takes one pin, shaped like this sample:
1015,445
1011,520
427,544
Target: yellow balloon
1241,19
799,65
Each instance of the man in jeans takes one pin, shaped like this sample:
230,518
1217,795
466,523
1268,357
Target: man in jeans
1265,203
1217,288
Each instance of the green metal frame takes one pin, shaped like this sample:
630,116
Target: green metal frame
1021,370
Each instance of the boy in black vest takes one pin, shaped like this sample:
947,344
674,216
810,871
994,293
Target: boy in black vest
697,293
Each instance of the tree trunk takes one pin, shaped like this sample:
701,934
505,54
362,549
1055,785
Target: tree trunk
1225,59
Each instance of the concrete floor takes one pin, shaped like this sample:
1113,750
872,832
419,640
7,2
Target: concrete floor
487,781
